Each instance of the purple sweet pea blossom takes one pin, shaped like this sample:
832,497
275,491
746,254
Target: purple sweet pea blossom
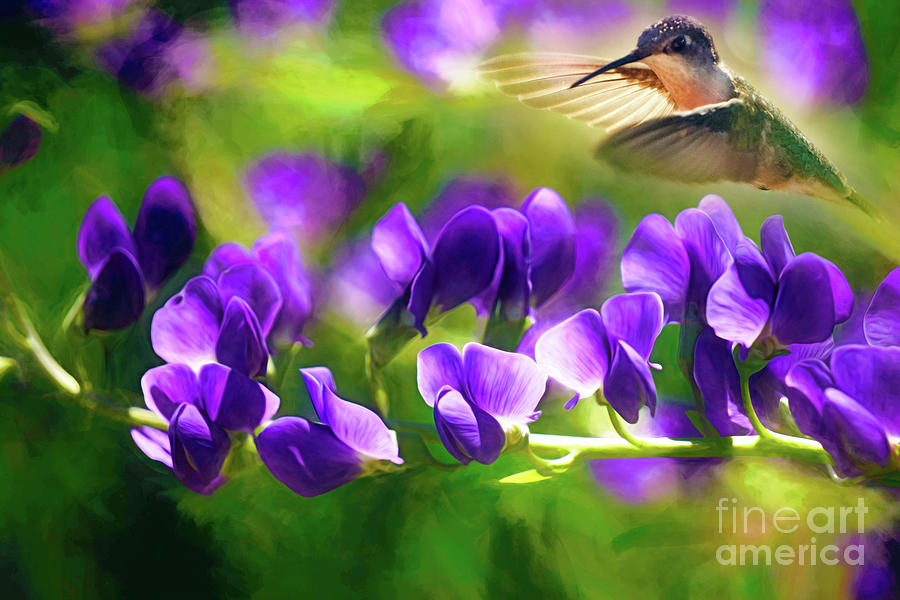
201,409
224,320
125,267
303,193
460,192
460,265
772,298
313,458
157,54
814,50
358,288
479,397
607,351
850,405
66,16
277,254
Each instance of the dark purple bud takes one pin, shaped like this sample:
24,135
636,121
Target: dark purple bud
19,142
102,230
552,231
165,230
116,297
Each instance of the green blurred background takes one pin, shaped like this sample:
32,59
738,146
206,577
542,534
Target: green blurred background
83,514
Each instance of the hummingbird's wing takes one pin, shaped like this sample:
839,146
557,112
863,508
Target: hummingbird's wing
619,98
711,143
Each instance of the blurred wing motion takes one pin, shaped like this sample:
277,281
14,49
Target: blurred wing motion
710,143
619,98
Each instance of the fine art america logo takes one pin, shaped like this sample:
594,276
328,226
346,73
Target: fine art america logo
821,520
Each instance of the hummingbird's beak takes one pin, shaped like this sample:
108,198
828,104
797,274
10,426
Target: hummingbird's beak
628,58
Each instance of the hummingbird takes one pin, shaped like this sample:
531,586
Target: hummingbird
674,110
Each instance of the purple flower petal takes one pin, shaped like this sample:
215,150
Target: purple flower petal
263,18
400,245
841,291
514,283
804,307
102,230
628,386
852,435
468,432
461,192
723,218
655,261
776,245
438,366
165,230
708,254
552,242
154,443
871,376
465,256
317,379
809,379
254,285
882,321
634,318
279,255
307,457
719,383
505,384
19,142
359,427
185,329
116,297
732,312
419,297
225,256
756,275
240,344
167,386
575,352
199,448
234,401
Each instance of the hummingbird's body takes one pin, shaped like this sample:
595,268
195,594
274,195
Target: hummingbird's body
675,111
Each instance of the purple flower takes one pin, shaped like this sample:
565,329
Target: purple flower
305,194
771,299
538,255
19,142
851,407
572,25
639,480
123,266
313,458
225,320
877,578
881,323
440,41
358,287
459,267
681,263
156,54
479,397
814,50
201,410
276,254
708,11
607,351
264,18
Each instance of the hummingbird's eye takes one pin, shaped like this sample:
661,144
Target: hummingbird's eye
679,43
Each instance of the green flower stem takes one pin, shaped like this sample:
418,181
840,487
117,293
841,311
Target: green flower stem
775,446
619,425
758,427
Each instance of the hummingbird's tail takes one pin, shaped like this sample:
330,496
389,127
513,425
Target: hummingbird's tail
867,207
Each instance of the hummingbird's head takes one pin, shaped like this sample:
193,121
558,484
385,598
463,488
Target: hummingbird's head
681,38
681,53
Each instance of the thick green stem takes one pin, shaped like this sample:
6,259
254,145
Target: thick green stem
619,425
